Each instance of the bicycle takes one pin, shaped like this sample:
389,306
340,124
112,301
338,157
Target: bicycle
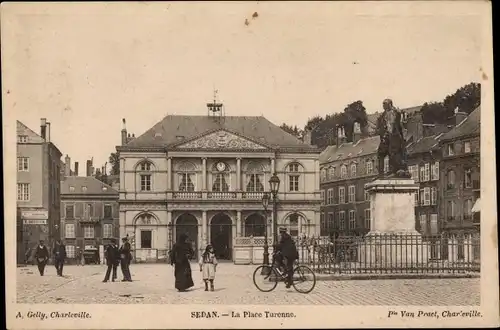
271,275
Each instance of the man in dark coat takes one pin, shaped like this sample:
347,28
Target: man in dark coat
41,257
112,255
59,257
125,258
180,255
289,252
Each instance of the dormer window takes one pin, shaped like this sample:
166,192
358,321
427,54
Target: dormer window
22,139
71,188
104,188
84,188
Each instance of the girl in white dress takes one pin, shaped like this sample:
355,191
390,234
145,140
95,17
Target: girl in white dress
208,265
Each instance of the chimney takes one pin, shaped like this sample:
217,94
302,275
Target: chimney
89,167
306,136
124,132
43,128
76,168
356,135
341,138
459,116
67,166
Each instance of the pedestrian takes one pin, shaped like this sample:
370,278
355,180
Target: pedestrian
181,253
208,265
41,256
125,257
59,256
112,256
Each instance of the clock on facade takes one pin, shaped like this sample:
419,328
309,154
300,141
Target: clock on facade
221,166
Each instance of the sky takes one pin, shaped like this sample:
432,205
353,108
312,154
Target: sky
84,67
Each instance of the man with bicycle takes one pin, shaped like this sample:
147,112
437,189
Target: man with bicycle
286,254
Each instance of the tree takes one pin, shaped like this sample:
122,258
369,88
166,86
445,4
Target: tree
114,160
290,130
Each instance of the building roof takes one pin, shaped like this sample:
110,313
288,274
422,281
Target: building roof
177,128
470,126
93,186
424,144
33,137
365,146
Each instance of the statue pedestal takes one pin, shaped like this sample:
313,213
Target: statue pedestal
393,241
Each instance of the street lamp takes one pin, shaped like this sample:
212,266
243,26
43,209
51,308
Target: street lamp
274,184
265,203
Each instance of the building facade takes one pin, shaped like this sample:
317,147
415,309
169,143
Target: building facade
205,176
460,172
38,188
90,216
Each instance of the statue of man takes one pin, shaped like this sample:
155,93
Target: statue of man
392,143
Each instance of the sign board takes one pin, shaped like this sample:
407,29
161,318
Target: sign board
34,222
35,215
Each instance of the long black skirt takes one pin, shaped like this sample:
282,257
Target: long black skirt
183,276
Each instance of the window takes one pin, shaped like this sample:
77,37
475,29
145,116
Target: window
450,210
71,188
331,172
322,196
466,147
70,251
343,172
22,139
254,182
352,219
427,196
145,166
427,172
108,211
386,164
422,173
293,224
416,199
434,224
468,178
107,230
331,222
322,225
84,188
367,195
368,216
369,167
467,208
450,179
421,197
145,182
353,170
451,149
341,195
293,177
433,196
435,171
23,164
146,239
89,210
352,194
342,220
255,225
413,169
423,223
88,231
70,211
330,196
69,230
186,182
220,183
23,192
323,174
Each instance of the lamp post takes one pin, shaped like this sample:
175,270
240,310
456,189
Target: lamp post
274,184
265,203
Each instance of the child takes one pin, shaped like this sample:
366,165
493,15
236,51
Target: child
208,265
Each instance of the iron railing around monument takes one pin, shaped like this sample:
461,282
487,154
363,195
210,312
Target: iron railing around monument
392,254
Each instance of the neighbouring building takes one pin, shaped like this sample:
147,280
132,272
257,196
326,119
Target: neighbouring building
38,185
460,172
206,175
90,216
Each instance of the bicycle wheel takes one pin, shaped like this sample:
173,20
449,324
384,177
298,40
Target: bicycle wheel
265,278
304,279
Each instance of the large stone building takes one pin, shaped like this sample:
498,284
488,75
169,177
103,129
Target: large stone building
90,216
460,172
38,188
205,176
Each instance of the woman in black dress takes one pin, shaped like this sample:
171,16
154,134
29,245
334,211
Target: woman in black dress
181,253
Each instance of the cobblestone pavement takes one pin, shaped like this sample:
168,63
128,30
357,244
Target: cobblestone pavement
154,284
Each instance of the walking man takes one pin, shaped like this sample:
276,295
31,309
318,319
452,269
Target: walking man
112,256
41,256
125,258
59,257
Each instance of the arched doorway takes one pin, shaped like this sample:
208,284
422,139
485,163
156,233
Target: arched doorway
221,236
188,224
